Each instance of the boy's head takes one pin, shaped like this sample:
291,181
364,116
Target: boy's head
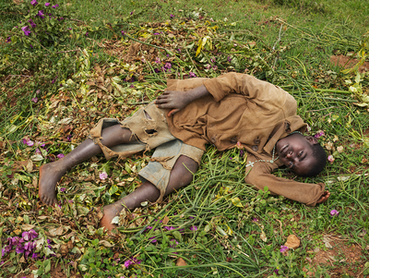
303,155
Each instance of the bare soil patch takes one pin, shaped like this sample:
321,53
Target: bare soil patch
340,257
347,62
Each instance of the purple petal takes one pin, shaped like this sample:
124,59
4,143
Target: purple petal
33,234
103,175
19,249
334,212
283,248
26,30
127,263
26,236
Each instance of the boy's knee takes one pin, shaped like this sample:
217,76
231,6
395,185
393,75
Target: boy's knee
181,174
188,164
184,169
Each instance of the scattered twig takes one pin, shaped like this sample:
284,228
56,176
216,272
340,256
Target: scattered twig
280,226
67,51
326,108
148,44
332,91
278,40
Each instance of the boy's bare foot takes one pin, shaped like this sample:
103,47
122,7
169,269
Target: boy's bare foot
49,175
324,197
110,211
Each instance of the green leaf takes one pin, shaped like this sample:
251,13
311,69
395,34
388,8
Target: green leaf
113,189
177,235
236,202
47,266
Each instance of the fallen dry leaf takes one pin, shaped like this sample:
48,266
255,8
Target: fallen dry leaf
263,236
165,220
326,240
56,231
292,242
105,243
64,250
180,262
27,227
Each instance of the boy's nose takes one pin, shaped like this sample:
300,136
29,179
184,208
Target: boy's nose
289,154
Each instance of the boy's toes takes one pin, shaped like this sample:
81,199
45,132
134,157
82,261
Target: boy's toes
47,200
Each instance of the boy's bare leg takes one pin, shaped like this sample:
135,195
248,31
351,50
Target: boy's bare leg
180,176
51,173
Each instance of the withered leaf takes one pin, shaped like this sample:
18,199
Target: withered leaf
27,227
180,262
56,231
105,243
292,242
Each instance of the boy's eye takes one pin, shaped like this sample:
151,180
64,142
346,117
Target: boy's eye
302,155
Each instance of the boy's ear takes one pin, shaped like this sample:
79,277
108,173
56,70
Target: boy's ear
312,140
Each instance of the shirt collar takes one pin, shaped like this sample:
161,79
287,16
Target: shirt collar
290,124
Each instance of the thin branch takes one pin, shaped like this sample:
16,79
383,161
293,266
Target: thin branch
148,44
66,51
317,110
278,40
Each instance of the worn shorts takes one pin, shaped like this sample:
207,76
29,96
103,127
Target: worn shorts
149,127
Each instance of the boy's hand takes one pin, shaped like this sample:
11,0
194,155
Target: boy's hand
177,100
174,100
324,197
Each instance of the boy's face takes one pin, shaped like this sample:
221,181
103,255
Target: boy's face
295,151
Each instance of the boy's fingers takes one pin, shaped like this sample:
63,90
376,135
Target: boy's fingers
324,197
159,98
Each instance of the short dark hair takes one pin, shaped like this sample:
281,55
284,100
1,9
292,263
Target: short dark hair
320,155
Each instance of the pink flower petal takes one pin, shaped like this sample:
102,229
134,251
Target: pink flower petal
334,212
29,143
103,175
283,248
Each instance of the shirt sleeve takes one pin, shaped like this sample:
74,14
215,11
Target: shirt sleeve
247,85
258,174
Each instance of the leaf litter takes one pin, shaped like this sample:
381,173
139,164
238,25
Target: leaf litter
141,62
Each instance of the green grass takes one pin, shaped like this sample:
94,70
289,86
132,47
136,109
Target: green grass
239,230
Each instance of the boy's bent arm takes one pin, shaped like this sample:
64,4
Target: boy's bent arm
262,92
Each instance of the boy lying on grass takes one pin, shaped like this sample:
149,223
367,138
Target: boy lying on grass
233,109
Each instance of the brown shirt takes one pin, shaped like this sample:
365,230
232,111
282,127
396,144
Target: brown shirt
243,109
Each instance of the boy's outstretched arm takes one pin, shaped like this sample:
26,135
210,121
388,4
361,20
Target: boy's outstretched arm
177,100
260,175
